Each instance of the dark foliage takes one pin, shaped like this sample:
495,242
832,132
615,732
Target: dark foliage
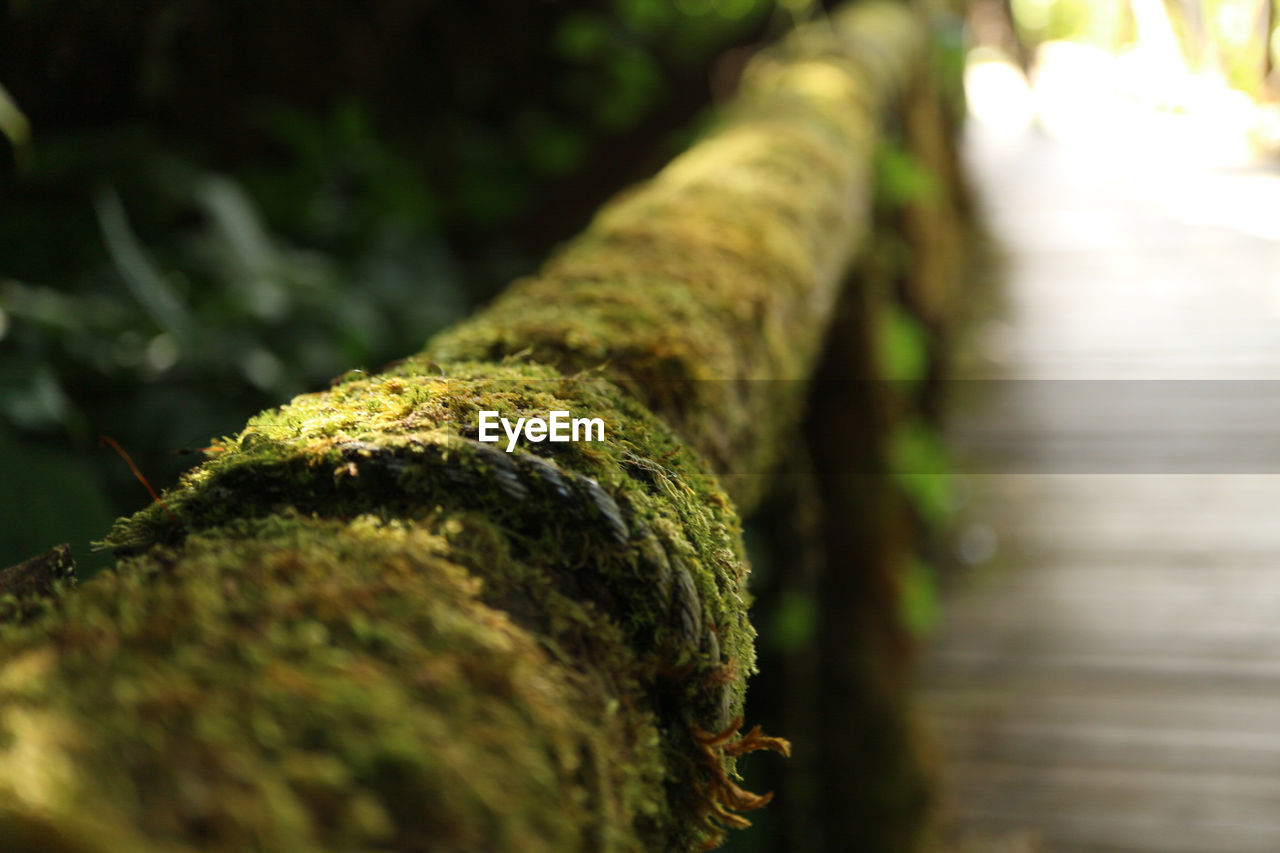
223,204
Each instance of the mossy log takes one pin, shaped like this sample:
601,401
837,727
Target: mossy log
355,627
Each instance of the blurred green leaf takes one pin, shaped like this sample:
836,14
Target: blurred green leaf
552,147
38,403
919,596
921,467
254,267
735,9
644,16
137,269
901,345
901,179
795,622
635,86
14,125
582,36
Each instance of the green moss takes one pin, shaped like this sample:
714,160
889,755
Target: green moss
293,683
723,269
356,627
625,553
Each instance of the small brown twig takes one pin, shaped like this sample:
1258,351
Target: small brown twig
104,440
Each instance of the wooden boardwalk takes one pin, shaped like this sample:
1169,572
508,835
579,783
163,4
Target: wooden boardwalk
1107,677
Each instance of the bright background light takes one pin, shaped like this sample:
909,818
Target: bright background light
1186,82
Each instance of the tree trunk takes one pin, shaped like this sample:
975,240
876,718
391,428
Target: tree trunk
357,627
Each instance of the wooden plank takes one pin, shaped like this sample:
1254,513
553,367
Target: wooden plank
1109,679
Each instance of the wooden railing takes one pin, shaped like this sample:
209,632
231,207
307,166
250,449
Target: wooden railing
358,625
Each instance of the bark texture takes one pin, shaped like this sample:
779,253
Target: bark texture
355,627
